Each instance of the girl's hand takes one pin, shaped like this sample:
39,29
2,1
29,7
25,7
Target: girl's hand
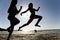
39,7
21,14
20,7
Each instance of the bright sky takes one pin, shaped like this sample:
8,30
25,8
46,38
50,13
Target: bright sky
49,9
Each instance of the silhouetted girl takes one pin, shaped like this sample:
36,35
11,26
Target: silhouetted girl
32,16
12,13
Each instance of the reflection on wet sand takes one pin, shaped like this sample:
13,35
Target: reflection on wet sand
19,35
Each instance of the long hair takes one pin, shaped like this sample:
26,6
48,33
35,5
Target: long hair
13,2
12,5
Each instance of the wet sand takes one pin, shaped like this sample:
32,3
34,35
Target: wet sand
18,35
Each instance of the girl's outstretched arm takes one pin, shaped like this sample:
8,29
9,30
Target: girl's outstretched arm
20,9
37,9
24,11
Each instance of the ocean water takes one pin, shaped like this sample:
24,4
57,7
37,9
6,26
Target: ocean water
33,32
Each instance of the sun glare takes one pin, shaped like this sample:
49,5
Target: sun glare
24,18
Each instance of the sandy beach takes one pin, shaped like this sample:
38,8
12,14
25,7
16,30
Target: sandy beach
42,35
